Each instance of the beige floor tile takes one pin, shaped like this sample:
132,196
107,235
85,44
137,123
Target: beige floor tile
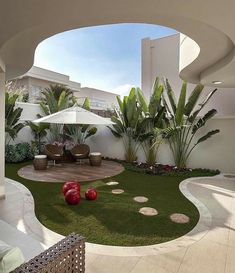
204,257
165,263
111,264
230,265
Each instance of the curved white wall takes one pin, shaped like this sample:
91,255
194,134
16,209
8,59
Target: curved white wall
161,57
188,52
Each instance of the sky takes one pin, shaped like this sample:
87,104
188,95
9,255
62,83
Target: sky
104,57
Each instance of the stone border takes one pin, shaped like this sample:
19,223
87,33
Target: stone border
49,237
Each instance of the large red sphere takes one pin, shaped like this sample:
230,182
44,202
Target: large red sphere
72,197
70,185
91,194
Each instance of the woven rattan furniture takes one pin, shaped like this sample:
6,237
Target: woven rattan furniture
80,151
95,159
67,256
54,152
40,162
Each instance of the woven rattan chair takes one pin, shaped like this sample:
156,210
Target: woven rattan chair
80,151
54,152
66,256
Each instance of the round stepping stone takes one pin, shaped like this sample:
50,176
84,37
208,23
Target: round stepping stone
147,211
179,218
140,199
111,183
117,191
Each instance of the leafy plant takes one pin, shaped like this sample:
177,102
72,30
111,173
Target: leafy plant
185,124
127,124
153,121
17,153
39,132
12,117
54,99
78,133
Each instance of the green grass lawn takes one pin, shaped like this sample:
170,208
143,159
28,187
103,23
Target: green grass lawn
114,219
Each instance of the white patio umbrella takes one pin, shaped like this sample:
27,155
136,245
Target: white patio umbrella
74,115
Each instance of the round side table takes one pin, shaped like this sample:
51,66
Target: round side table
95,159
40,162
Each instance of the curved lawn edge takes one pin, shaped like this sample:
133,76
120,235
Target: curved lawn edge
50,237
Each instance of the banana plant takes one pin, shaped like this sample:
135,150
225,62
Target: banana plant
185,122
39,132
153,121
56,98
12,117
127,124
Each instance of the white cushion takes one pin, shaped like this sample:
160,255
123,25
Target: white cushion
40,156
56,154
95,153
78,154
10,258
29,246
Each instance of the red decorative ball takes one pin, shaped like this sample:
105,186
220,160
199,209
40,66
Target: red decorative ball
70,185
72,197
91,194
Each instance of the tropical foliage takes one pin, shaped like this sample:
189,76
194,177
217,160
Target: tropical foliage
12,117
54,99
153,123
39,132
78,133
184,121
18,153
127,123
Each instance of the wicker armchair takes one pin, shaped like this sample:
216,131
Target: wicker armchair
54,152
66,256
80,151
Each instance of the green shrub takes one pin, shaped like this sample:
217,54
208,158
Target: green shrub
17,153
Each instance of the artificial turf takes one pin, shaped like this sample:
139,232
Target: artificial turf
114,219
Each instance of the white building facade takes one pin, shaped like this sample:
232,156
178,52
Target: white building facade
37,79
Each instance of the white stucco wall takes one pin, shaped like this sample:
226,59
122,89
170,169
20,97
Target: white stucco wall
29,113
216,153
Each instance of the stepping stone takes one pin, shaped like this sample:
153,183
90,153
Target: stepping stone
118,191
147,211
140,199
179,218
111,183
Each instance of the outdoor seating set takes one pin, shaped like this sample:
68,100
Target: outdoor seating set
55,153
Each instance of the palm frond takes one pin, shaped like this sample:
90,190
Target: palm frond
193,99
202,121
208,135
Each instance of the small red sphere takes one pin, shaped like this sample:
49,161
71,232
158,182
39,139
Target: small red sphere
72,197
70,185
91,194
